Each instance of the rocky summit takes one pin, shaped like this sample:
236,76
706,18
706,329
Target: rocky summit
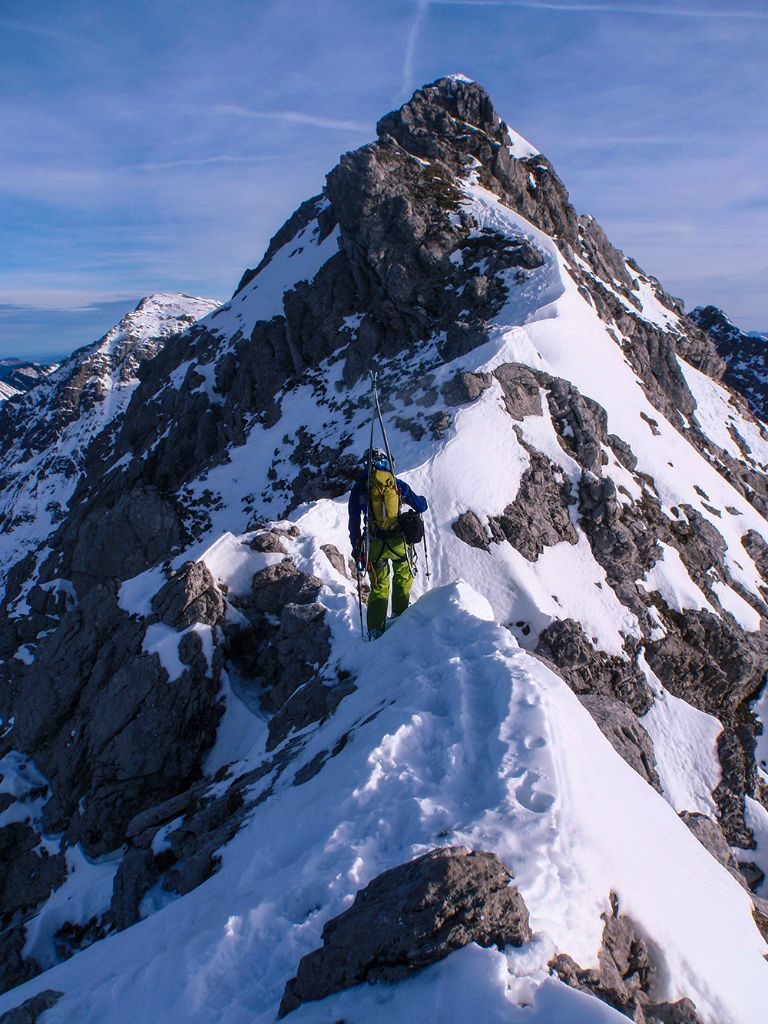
541,794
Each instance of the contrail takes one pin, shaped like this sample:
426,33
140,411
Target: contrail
296,117
193,162
410,46
52,33
553,5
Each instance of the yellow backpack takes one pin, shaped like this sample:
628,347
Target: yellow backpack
383,499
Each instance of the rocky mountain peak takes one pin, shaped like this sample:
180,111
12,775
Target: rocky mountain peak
450,110
180,650
713,319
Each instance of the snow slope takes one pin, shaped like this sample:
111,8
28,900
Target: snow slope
490,749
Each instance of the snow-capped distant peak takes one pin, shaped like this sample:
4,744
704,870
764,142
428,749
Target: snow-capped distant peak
45,437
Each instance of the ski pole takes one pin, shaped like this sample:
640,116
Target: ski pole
360,600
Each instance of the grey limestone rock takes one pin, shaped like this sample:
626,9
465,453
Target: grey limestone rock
760,914
15,968
625,974
122,540
189,596
135,876
469,529
302,646
745,356
432,126
736,753
623,452
411,916
268,541
598,499
312,702
28,873
708,660
30,1011
188,855
538,517
289,641
335,557
752,875
465,387
521,387
625,733
580,422
282,584
107,731
607,261
589,671
757,549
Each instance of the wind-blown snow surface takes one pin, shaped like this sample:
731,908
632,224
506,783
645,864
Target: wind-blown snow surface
490,749
41,470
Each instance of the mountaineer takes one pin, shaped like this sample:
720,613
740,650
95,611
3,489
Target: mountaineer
385,536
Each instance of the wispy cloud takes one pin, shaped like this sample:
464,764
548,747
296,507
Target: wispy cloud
48,32
294,117
607,8
73,299
410,47
162,165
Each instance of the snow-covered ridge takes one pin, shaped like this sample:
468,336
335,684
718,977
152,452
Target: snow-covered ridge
47,431
473,742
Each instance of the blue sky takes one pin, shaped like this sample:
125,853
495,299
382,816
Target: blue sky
156,146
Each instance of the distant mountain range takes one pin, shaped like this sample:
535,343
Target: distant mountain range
18,376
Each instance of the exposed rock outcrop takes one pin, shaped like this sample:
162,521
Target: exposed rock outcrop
587,671
30,1011
411,916
538,517
625,975
469,529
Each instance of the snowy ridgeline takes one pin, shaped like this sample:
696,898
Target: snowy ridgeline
453,733
454,736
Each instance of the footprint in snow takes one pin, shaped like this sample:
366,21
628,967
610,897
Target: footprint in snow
534,742
531,798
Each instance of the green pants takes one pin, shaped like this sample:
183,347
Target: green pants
382,553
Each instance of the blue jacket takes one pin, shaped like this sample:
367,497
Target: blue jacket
358,504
